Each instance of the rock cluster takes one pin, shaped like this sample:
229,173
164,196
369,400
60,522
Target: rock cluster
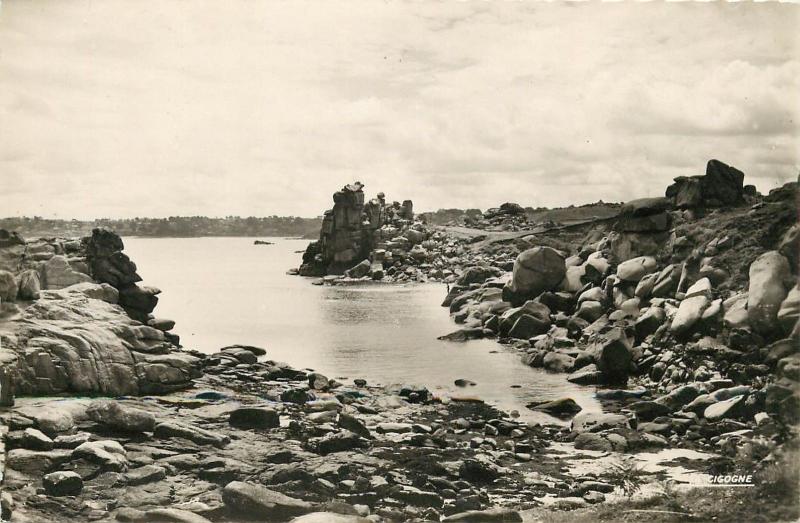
76,321
721,186
375,241
508,217
716,352
353,229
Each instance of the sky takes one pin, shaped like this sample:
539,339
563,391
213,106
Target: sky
161,108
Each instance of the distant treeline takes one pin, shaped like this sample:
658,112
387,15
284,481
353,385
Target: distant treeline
174,226
573,213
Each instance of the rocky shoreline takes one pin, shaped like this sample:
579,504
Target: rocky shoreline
261,439
682,312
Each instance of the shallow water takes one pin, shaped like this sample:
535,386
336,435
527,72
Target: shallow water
222,291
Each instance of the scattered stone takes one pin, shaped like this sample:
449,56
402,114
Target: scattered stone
107,453
145,474
113,415
168,429
62,483
35,440
560,408
493,515
254,418
256,501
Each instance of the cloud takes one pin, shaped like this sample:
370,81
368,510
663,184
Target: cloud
267,108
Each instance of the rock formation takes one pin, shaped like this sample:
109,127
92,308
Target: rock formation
75,320
354,229
721,186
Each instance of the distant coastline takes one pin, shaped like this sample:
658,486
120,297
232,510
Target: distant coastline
172,227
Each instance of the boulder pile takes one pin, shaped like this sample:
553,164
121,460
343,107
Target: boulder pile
699,308
353,229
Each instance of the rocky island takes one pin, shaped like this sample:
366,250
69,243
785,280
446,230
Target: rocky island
680,313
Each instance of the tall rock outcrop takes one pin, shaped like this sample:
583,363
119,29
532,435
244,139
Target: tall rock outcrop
108,264
352,229
721,186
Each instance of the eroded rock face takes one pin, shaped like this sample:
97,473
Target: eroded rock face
58,273
70,342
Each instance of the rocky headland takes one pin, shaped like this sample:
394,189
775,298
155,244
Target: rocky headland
680,312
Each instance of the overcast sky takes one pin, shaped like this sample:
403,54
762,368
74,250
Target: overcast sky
159,108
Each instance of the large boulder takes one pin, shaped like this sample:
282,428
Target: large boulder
535,271
600,442
691,308
360,270
560,408
107,453
770,281
137,301
528,326
612,355
644,215
722,185
635,269
62,483
538,321
476,274
107,262
627,245
558,362
649,322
